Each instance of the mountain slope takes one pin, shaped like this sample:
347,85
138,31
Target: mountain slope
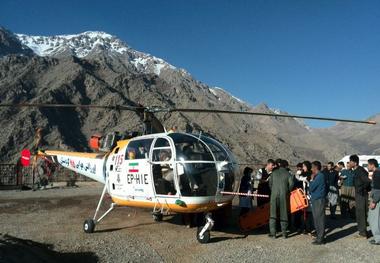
364,139
92,44
97,68
9,44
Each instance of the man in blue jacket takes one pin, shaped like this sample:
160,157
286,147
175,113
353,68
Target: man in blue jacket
318,200
347,198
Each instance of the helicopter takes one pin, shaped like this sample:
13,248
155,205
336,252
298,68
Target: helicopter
166,171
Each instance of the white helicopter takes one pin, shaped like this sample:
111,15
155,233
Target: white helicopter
165,171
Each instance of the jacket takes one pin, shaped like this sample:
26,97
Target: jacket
375,193
280,183
317,187
245,184
332,178
348,177
361,181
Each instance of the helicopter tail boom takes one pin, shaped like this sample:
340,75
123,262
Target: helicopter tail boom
88,164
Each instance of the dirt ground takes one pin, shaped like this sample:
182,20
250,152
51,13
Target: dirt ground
46,226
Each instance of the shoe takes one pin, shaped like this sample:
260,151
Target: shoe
316,242
373,242
272,236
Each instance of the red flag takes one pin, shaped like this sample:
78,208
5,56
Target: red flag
25,157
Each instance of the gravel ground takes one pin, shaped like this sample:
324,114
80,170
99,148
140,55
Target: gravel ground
46,226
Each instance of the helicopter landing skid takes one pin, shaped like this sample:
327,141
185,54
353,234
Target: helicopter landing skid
203,233
89,224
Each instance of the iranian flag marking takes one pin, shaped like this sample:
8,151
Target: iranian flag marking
133,168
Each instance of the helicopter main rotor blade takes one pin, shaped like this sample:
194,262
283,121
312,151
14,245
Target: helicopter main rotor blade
188,110
81,106
269,114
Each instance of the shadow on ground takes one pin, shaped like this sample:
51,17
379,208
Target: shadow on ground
13,249
336,228
224,224
107,230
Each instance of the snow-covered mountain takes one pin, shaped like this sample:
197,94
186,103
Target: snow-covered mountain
80,45
98,68
92,43
222,94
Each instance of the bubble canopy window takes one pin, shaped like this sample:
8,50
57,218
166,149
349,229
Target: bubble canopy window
196,167
199,148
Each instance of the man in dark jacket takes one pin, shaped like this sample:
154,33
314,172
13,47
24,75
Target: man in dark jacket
263,177
332,181
317,188
280,183
362,187
374,207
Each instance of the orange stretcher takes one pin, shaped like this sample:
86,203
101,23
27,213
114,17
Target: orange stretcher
298,200
260,216
255,218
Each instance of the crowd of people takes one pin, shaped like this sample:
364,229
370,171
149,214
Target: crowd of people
352,187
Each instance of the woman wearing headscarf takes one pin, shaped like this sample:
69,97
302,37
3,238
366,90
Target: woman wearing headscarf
245,202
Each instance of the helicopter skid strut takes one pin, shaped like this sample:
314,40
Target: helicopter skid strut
89,224
203,233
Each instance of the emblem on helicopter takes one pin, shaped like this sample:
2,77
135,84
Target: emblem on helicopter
133,168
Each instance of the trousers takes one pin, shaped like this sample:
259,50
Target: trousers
319,216
281,204
361,213
374,222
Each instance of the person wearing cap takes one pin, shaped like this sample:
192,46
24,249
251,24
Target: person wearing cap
280,183
374,207
362,185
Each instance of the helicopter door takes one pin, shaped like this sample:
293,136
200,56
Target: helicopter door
138,170
162,159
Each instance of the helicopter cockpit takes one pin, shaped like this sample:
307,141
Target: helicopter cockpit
197,159
183,164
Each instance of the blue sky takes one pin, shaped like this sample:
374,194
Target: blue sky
304,57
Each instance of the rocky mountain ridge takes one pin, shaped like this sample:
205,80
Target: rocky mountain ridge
97,68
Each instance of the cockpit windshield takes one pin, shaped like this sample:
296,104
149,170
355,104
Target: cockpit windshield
222,153
195,166
190,148
217,149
